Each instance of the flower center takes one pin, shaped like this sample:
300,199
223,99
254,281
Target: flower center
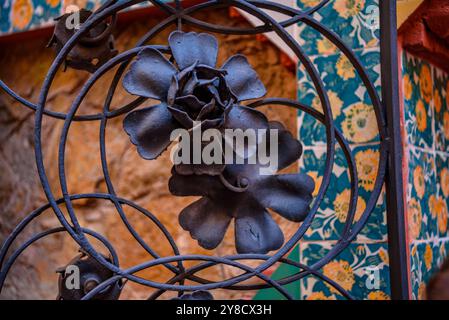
242,184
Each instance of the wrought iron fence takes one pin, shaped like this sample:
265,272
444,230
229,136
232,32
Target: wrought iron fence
106,273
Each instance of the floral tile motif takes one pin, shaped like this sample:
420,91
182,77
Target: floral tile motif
351,105
425,107
19,15
441,102
418,94
353,270
426,259
330,219
356,22
441,198
422,201
22,15
354,116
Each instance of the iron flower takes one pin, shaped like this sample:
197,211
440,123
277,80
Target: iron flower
190,90
91,274
92,50
196,295
242,193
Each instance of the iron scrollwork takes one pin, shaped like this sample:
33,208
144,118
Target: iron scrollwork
191,88
88,274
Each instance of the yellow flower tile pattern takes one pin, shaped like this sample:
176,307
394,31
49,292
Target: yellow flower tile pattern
331,217
422,223
441,101
355,22
351,106
414,218
23,15
360,270
378,295
425,94
418,101
426,258
341,272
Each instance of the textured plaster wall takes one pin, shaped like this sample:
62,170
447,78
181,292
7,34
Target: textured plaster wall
23,66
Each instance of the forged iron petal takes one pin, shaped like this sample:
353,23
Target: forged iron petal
211,123
205,82
289,148
149,129
202,295
244,118
184,73
172,91
207,110
206,221
196,295
192,185
200,169
192,102
206,72
181,116
190,85
242,79
222,96
289,195
256,231
150,75
188,48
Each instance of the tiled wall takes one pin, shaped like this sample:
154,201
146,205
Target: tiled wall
356,23
24,15
21,15
426,116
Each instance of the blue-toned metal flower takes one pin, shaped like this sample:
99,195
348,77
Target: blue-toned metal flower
244,194
92,50
196,295
190,89
91,273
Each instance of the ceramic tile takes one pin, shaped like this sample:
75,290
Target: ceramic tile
440,202
425,105
426,259
23,15
422,218
330,219
418,101
355,22
351,269
441,102
351,105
